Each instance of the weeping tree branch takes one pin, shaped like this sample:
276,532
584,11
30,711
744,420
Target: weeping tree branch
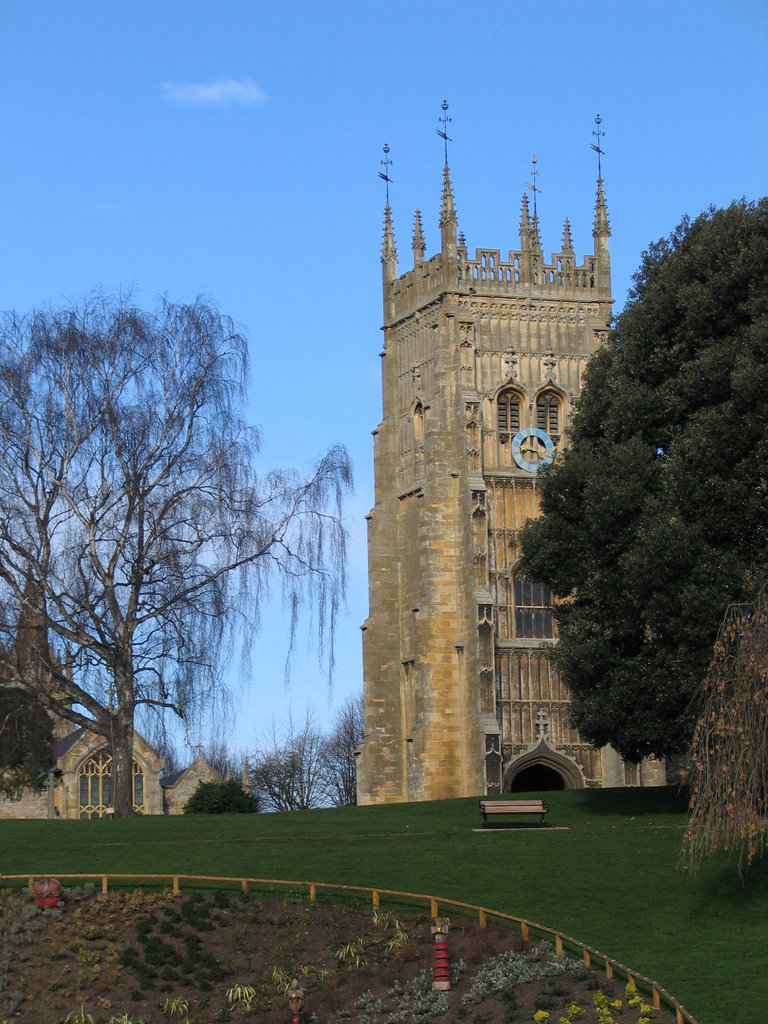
729,756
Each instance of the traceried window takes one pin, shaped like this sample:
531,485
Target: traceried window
548,414
95,786
508,405
533,609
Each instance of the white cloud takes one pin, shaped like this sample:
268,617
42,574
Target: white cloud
228,90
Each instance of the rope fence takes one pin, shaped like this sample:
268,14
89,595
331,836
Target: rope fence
591,957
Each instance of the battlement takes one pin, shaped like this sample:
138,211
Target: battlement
522,273
488,270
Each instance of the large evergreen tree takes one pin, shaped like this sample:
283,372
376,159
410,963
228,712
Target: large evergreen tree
26,742
654,517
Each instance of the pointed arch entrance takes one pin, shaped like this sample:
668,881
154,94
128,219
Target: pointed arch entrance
542,768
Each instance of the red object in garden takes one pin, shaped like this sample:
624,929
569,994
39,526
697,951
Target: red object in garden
48,893
296,1002
441,967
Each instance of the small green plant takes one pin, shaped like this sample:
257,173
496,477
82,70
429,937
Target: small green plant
241,995
176,1005
80,1016
284,982
125,1018
400,937
352,953
87,958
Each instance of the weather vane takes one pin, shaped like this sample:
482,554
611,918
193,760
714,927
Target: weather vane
444,121
533,185
386,163
599,134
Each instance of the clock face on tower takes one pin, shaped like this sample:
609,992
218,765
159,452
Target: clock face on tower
532,449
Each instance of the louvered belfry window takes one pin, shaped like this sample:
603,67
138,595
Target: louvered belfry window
509,413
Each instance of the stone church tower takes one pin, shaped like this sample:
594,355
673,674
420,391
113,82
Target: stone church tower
482,360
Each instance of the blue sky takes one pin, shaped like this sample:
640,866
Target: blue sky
231,148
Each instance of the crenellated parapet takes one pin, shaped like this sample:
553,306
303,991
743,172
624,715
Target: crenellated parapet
522,272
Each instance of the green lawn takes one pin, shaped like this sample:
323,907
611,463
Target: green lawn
610,879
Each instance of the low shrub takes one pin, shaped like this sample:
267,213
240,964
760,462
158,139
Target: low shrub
221,798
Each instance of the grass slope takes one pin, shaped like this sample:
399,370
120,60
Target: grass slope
611,879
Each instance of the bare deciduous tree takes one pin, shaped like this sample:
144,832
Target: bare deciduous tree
287,768
134,528
339,758
729,796
225,761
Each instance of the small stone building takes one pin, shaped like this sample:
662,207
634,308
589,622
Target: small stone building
79,782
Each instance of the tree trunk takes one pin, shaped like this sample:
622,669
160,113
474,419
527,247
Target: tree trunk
122,745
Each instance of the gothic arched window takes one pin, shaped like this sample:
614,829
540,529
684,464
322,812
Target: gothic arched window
508,406
95,786
533,609
548,414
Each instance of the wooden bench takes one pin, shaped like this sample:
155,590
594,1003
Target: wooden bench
493,807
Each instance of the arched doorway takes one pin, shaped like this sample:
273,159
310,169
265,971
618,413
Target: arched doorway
542,768
536,778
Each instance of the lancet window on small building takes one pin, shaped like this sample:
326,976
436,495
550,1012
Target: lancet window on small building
508,406
95,786
533,609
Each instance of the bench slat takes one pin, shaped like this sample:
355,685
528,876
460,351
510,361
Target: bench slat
513,807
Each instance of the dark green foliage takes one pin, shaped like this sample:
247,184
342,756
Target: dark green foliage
158,953
221,798
182,960
26,742
129,956
654,517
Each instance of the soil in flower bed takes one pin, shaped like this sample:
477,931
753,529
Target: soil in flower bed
148,955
